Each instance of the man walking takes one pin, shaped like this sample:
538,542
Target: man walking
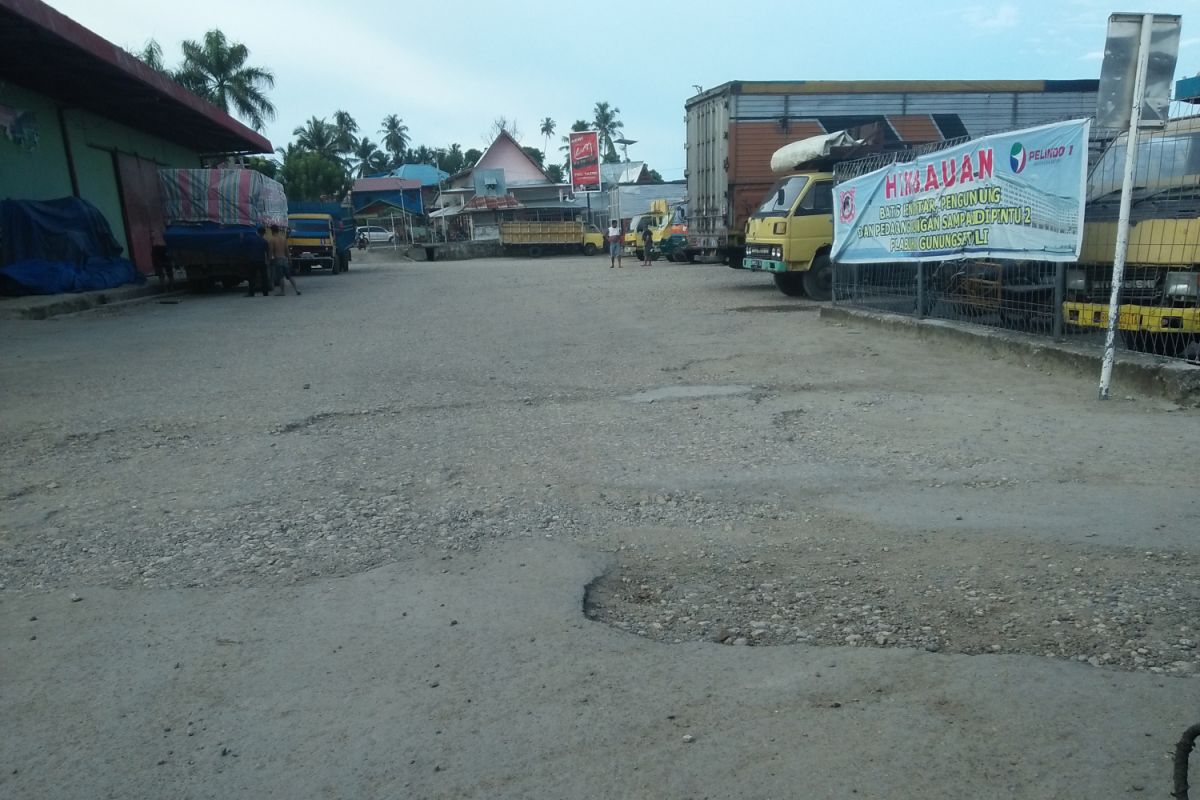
279,262
614,244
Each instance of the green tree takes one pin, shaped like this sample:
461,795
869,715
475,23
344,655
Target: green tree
609,127
151,55
347,132
267,166
311,176
318,136
547,129
537,155
395,137
368,158
471,158
419,155
454,159
654,177
216,70
555,173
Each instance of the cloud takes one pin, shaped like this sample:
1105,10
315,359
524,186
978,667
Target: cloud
985,19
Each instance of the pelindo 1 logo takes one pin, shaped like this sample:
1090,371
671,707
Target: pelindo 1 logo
1016,157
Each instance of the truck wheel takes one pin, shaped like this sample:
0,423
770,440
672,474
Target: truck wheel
790,283
818,281
589,249
535,251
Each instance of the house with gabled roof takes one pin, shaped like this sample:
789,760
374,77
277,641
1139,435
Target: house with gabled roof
505,184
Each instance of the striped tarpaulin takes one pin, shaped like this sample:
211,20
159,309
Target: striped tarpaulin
226,196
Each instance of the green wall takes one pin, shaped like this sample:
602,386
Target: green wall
42,173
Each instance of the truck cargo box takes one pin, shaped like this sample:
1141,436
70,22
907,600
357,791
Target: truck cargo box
223,196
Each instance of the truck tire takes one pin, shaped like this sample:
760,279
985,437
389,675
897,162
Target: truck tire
589,249
818,281
534,251
344,261
790,283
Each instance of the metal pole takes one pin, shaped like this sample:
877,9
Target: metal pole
920,290
1118,273
1060,291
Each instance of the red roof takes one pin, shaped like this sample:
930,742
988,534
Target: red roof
384,185
43,50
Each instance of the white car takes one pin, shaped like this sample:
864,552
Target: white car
374,234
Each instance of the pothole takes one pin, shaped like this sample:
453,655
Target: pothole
894,600
689,392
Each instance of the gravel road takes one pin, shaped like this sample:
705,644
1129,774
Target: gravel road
756,476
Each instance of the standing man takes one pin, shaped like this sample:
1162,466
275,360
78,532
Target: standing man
279,262
263,260
647,243
614,244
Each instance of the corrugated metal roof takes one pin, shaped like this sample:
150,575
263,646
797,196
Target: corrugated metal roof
46,51
424,174
621,172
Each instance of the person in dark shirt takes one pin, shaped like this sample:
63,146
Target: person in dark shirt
647,243
259,275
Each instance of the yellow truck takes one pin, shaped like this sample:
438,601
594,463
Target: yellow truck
536,239
1160,292
658,220
790,234
316,241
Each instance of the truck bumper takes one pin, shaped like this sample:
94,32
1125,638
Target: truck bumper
1148,319
763,264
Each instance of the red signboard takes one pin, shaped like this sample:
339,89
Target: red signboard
585,161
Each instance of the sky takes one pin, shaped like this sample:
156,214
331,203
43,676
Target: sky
451,69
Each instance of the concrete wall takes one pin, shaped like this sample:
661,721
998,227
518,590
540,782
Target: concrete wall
42,173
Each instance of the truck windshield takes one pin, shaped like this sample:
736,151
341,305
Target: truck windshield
782,196
309,227
1164,161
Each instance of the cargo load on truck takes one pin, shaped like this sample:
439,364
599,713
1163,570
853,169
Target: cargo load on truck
212,217
541,238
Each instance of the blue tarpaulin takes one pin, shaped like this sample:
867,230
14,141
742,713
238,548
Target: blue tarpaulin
237,242
55,246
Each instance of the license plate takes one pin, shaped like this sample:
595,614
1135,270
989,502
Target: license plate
753,263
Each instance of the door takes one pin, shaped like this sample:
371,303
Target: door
141,205
812,221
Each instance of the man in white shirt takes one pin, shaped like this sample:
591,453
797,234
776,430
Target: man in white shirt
614,244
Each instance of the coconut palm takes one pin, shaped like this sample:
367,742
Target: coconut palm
395,137
368,158
547,129
318,136
216,70
151,55
608,126
347,130
453,161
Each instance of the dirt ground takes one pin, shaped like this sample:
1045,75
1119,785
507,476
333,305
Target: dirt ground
657,502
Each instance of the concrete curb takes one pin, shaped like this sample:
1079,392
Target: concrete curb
45,307
1174,380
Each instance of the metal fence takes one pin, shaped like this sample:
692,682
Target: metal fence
1160,296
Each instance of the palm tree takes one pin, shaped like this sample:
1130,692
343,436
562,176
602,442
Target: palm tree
454,160
368,158
347,129
395,137
608,126
151,55
422,155
216,70
547,130
318,136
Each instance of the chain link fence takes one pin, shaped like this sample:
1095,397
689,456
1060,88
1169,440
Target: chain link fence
1160,293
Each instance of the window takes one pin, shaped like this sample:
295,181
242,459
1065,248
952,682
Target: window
819,200
781,197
